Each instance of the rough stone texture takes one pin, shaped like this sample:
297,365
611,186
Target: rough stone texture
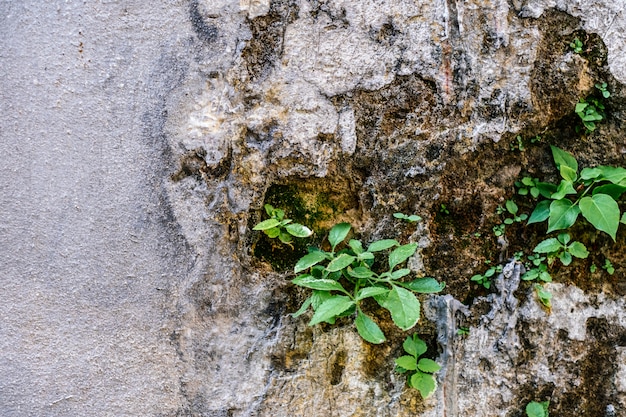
140,142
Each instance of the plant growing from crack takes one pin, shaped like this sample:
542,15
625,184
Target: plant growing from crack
537,409
278,226
419,370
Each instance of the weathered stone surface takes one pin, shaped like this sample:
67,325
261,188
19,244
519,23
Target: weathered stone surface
141,142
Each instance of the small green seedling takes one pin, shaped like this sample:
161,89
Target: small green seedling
512,208
593,268
518,144
412,218
463,331
603,89
536,409
576,45
590,111
562,249
499,229
443,209
278,226
543,295
419,370
485,279
536,139
608,267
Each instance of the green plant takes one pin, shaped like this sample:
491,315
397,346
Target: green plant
409,218
536,409
342,280
518,144
603,89
608,267
593,268
463,331
590,111
592,192
499,229
485,279
576,45
512,208
443,209
561,248
420,370
278,226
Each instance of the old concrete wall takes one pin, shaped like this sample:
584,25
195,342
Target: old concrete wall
141,139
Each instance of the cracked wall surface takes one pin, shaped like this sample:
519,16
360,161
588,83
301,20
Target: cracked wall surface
141,141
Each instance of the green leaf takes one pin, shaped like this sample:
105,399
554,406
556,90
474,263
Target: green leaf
548,246
284,237
298,230
623,219
318,297
613,174
535,409
269,209
511,206
323,284
371,292
424,285
544,295
564,188
566,258
580,107
267,224
407,362
563,214
613,190
360,272
546,189
428,365
578,250
356,246
368,329
309,260
590,173
563,158
403,306
400,273
365,256
272,233
602,212
540,213
379,245
568,173
424,383
338,233
401,254
340,262
414,346
303,308
331,308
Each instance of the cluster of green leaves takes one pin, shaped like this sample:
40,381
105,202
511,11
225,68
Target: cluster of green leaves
591,109
608,267
485,279
509,208
576,45
537,409
592,192
520,143
278,226
342,279
420,370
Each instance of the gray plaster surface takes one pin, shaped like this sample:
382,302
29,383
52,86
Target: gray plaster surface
88,251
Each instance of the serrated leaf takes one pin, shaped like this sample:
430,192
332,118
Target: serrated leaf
338,233
340,262
540,213
548,246
578,250
401,254
383,244
563,214
360,272
428,365
566,258
266,224
414,346
424,285
564,238
371,292
303,308
602,212
403,306
424,383
368,329
298,230
407,362
309,260
331,308
323,284
564,158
